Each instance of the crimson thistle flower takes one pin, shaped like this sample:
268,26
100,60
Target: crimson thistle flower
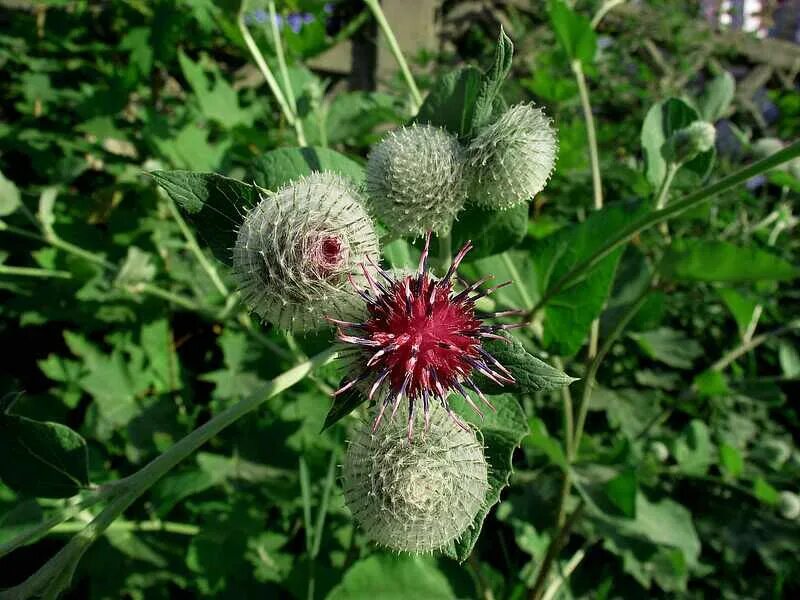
421,340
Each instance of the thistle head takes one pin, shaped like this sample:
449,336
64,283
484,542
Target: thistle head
421,341
414,180
297,249
415,495
510,161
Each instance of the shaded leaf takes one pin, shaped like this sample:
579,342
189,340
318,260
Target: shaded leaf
712,260
573,31
669,346
492,232
9,196
451,102
386,577
278,167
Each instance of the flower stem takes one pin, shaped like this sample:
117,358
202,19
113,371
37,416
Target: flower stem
34,272
591,134
287,83
377,12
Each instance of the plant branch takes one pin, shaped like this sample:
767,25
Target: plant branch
34,272
745,347
654,218
552,552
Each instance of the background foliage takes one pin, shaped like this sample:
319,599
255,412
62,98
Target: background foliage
120,333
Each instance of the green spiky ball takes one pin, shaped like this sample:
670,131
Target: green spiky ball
415,495
296,248
510,161
414,180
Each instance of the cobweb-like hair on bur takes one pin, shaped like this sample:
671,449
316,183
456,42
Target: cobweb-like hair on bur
298,248
415,495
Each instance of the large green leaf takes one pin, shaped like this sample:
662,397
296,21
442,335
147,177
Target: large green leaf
278,167
573,31
568,315
503,430
43,459
215,205
386,577
531,374
669,346
711,260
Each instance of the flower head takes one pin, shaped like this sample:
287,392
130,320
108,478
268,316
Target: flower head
421,341
414,180
418,495
297,249
509,161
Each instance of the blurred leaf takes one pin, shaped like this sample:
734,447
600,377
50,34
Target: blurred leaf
693,449
215,205
711,383
48,460
217,99
281,166
492,232
731,460
740,305
540,439
531,374
136,269
191,149
386,577
352,116
717,97
669,346
9,196
573,31
789,359
765,492
711,260
503,430
622,491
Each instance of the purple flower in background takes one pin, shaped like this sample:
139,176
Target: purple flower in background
295,22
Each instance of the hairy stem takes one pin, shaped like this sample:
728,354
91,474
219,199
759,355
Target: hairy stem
380,18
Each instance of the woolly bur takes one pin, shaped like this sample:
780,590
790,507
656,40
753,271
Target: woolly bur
415,495
299,249
414,180
510,161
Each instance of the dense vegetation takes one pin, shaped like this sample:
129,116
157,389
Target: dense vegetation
657,269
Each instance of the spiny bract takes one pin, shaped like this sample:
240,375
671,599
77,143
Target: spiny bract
415,495
297,248
509,161
414,180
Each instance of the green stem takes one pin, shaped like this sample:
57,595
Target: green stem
654,218
606,7
191,242
287,83
742,349
55,575
591,134
445,254
146,526
663,191
33,272
594,365
268,76
158,292
377,12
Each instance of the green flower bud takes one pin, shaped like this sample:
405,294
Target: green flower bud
687,143
296,249
418,494
414,180
511,160
789,505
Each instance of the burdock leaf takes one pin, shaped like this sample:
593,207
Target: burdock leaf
214,205
532,375
343,405
503,430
